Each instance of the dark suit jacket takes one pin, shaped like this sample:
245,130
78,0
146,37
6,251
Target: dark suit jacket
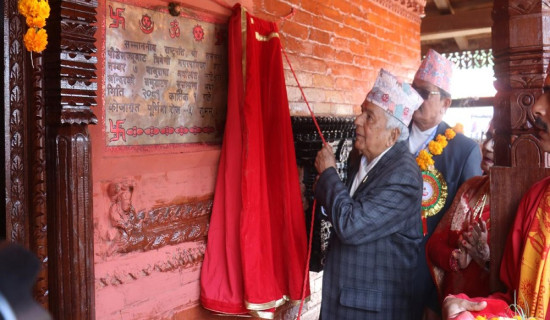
376,238
460,161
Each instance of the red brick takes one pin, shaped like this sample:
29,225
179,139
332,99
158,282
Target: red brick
276,7
311,64
352,34
312,7
334,96
361,61
304,78
322,81
354,22
330,13
319,36
342,109
340,43
344,57
344,6
324,24
358,48
321,108
344,83
295,29
324,52
293,45
301,16
347,70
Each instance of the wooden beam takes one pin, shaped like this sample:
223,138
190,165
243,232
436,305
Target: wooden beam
444,6
455,34
462,43
459,24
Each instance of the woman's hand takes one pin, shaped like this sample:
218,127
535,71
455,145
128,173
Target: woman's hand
475,242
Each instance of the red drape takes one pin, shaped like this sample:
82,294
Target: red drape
256,249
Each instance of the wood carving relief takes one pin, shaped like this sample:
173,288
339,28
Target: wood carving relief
38,223
521,59
411,9
16,183
26,198
181,259
144,230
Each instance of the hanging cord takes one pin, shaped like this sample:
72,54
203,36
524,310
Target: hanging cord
306,272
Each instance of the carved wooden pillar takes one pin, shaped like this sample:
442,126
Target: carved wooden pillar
521,48
25,170
70,94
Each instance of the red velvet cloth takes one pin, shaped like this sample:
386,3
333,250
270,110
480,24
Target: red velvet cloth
256,250
495,308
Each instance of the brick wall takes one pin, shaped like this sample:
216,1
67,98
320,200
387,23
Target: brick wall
337,47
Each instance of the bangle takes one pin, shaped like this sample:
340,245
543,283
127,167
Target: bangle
453,262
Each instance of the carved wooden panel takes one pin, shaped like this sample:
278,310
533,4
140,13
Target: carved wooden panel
26,218
410,9
14,113
521,50
339,133
38,221
70,87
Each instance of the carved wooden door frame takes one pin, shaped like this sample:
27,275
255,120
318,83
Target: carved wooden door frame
47,109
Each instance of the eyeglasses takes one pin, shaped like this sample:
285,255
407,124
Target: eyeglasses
425,94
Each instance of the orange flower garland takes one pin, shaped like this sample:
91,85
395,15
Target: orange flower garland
35,12
435,147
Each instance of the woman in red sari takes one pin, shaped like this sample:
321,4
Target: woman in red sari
458,251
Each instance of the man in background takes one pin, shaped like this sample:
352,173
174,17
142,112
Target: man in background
458,162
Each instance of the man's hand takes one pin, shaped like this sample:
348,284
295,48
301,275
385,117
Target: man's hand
325,159
452,307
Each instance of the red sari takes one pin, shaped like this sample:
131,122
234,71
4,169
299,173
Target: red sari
256,250
525,271
473,280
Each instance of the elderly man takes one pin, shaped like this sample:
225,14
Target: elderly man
525,267
377,226
457,162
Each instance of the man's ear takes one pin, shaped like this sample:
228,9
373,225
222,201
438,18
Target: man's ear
394,135
446,104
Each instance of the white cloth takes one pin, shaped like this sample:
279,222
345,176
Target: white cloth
418,138
364,169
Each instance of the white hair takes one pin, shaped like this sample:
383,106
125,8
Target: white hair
393,122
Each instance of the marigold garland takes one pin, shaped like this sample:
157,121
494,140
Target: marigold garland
35,12
435,147
35,40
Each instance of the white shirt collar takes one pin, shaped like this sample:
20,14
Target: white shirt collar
418,137
364,168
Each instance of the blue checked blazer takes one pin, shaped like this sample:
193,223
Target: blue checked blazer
375,243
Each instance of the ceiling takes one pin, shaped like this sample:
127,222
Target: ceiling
456,25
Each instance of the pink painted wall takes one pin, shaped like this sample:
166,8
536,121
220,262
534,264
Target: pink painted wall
162,281
336,47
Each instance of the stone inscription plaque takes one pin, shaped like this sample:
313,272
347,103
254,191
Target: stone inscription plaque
165,78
